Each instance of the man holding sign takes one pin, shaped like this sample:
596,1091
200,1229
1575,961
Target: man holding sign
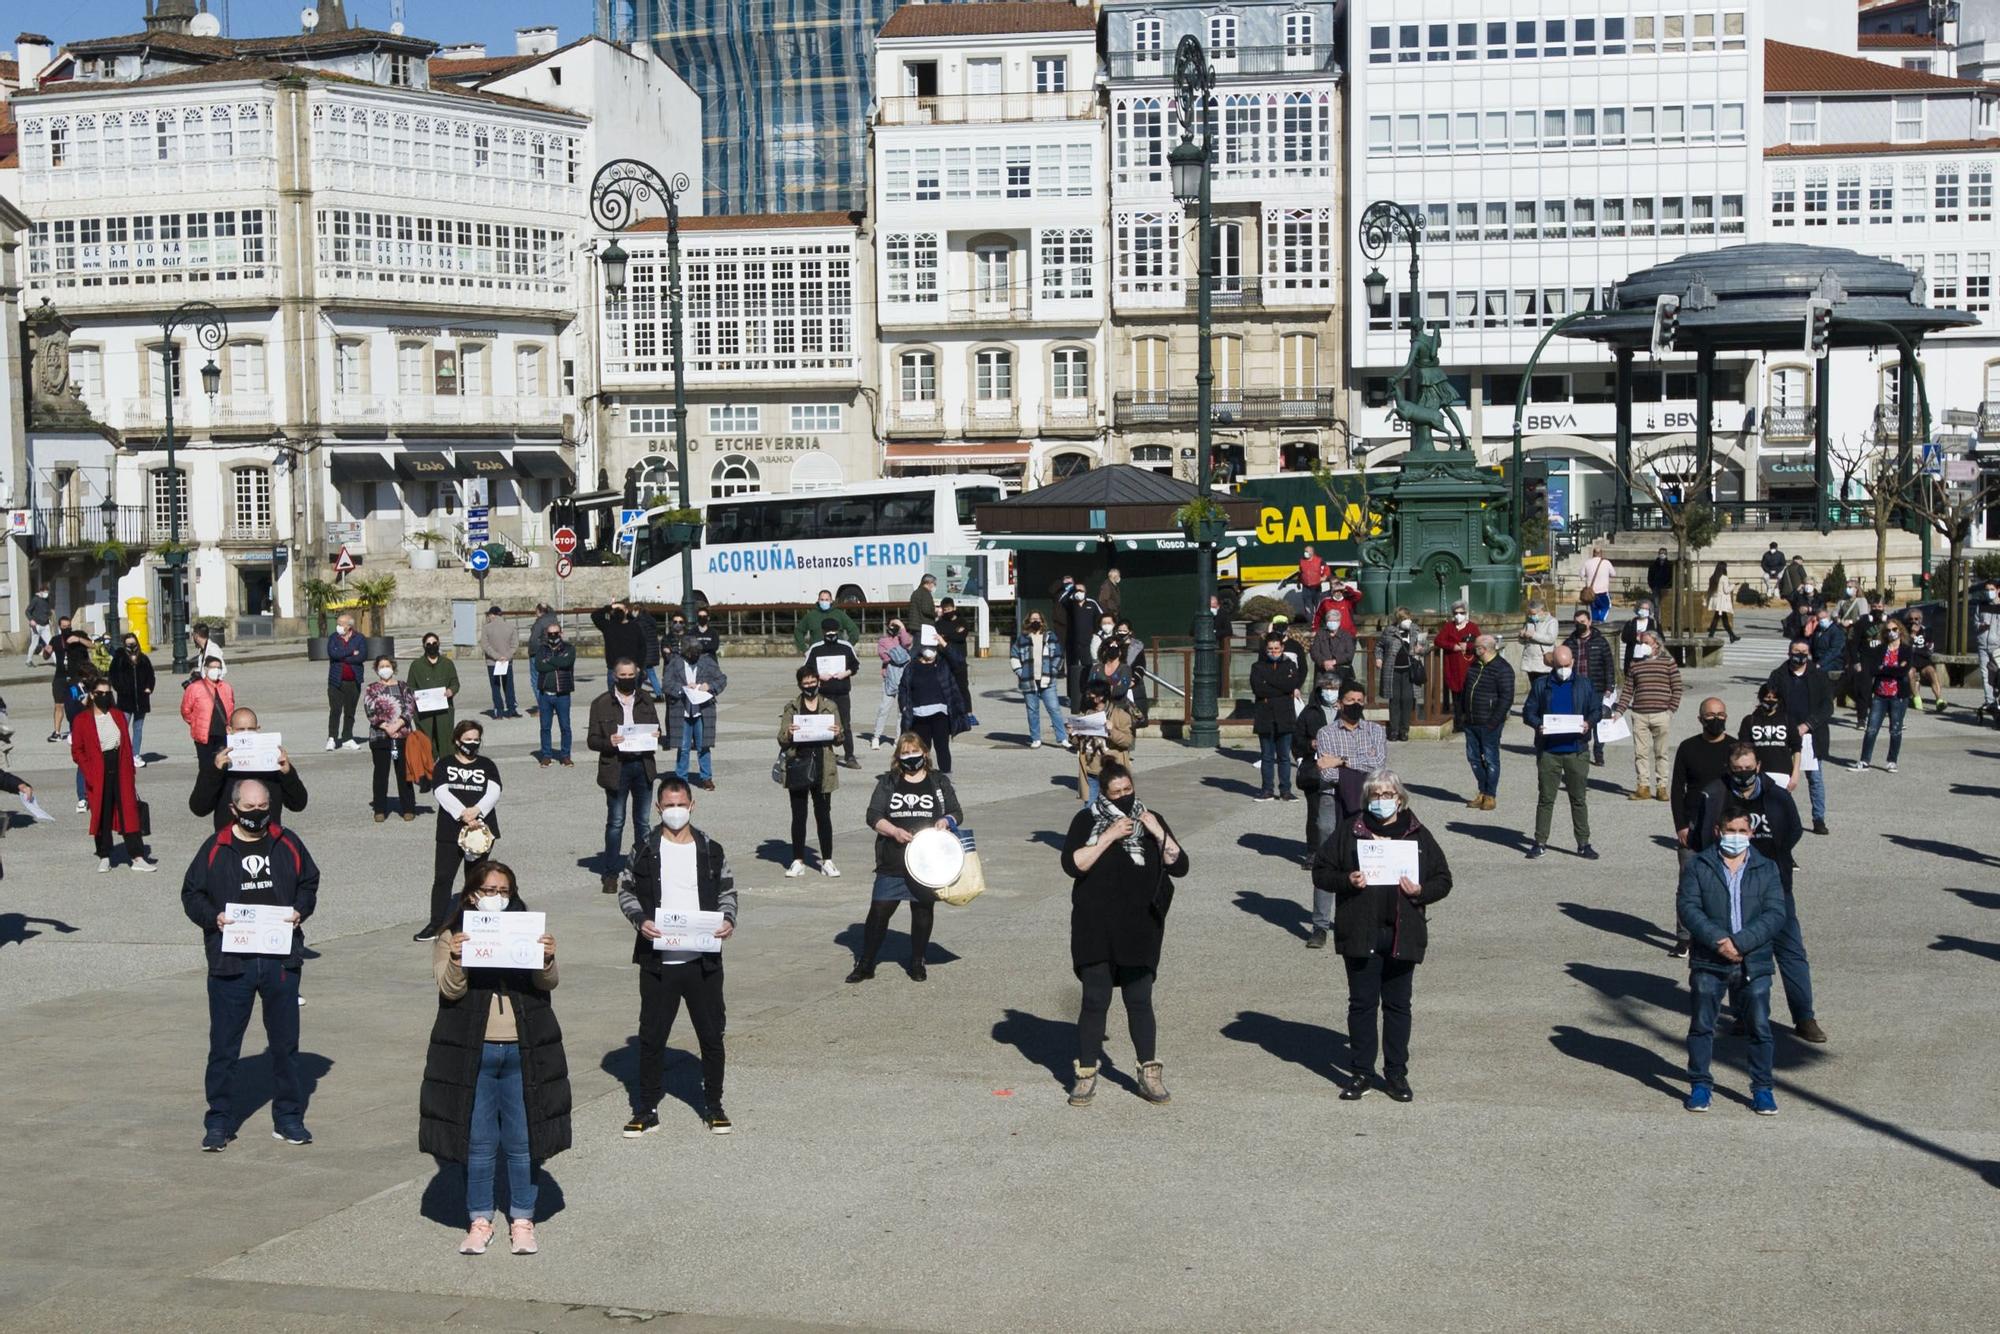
678,891
1564,710
833,660
246,753
252,863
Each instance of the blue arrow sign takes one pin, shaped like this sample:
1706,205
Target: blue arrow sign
478,561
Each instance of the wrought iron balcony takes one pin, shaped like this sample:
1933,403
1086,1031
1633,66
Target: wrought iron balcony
1787,424
1245,407
1241,62
987,108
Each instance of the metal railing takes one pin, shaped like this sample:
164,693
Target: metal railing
1755,515
914,418
1237,62
987,108
1179,407
1788,424
992,419
70,528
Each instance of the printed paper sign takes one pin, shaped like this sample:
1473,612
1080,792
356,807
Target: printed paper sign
638,738
693,932
257,928
1562,724
434,700
1613,729
829,665
254,752
504,940
1385,861
808,727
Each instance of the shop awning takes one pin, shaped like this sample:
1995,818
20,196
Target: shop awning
359,466
483,463
544,465
597,500
427,466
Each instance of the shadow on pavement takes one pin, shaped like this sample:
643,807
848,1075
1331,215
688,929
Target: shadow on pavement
1973,790
1311,1046
14,927
1939,848
1616,923
1230,785
1049,1043
444,1197
1274,845
1981,948
252,1089
1978,898
1293,918
774,850
895,947
1617,1055
1436,793
1666,993
1498,835
683,1071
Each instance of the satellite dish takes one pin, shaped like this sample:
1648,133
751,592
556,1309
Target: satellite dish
205,24
308,18
397,27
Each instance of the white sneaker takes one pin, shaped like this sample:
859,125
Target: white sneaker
138,761
103,865
1888,768
145,864
829,870
331,744
1858,767
1034,745
82,804
795,870
350,744
876,744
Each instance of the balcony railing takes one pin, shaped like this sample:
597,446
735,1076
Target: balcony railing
68,529
1069,416
915,418
445,410
987,108
1246,407
150,180
962,311
1787,424
1243,62
988,419
344,282
241,410
146,289
410,183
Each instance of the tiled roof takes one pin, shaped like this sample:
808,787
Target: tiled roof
1880,150
751,222
1801,69
1898,41
10,72
477,67
223,48
989,19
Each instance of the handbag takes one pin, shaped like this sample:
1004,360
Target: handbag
971,882
146,819
778,768
802,768
419,755
1419,673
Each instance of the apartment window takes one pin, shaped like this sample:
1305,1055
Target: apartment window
1642,217
1524,220
569,376
1732,215
246,369
1732,31
1673,33
815,418
1378,44
1583,218
410,377
1226,261
528,372
1069,373
1524,39
1438,40
166,492
1882,195
1985,116
1146,263
1586,37
734,475
1467,136
1788,389
347,367
1947,193
399,72
916,377
1673,216
1555,128
1847,197
163,373
1437,222
1067,265
1916,193
1154,458
1051,74
1614,217
1379,135
1298,248
982,77
646,421
1802,121
1732,122
1909,119
734,419
1644,122
1555,219
929,179
474,360
1298,365
912,266
1614,126
1526,129
1298,34
1584,122
1979,192
1614,36
86,372
1701,215
1149,368
1979,281
1228,364
1496,221
1146,40
1815,197
1222,37
1944,281
991,281
1496,41
1701,123
1465,222
993,375
250,494
1409,133
1555,36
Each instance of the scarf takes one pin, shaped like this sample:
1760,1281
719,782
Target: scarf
1103,813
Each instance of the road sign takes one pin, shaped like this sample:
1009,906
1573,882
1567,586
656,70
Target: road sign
344,562
1933,460
475,522
564,541
478,561
628,519
563,567
1961,472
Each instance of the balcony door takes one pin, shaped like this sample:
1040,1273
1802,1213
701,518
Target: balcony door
991,278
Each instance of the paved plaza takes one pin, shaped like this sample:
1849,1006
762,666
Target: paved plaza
904,1157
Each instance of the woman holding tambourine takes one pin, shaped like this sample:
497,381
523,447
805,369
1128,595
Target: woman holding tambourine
910,798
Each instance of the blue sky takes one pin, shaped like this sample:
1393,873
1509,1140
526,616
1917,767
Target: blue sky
442,21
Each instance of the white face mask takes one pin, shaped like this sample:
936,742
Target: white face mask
1459,618
493,902
675,817
1562,673
1330,696
386,673
215,673
1642,651
1406,624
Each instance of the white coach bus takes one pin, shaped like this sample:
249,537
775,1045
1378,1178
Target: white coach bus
868,542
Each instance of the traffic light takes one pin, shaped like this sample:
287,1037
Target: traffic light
1666,324
1819,327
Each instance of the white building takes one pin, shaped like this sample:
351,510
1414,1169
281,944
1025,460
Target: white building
779,351
1898,163
988,204
1275,202
14,573
1551,147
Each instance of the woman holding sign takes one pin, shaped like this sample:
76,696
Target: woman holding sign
807,733
496,1079
392,713
1385,869
466,786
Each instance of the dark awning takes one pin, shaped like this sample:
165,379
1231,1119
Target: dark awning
483,463
544,465
363,466
596,500
425,466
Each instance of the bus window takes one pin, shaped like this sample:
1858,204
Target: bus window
971,498
643,553
725,524
793,520
907,515
850,517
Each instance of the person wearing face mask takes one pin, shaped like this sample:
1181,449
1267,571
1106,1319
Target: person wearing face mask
1381,931
625,775
1721,602
434,671
496,1078
679,868
1805,695
1345,752
1400,670
1111,672
203,647
100,743
671,642
909,798
622,637
931,704
1135,669
1560,751
1537,636
1731,903
1892,684
466,787
1775,739
346,665
1986,645
1794,584
693,681
1660,576
1106,633
1084,617
1342,597
1333,647
834,661
1275,680
1037,660
893,650
391,710
1631,634
215,786
1924,670
709,635
923,602
810,773
1590,653
1489,699
1110,600
1865,642
251,860
1771,564
1121,859
553,668
1650,696
132,679
1114,745
1456,638
499,640
952,629
206,702
1320,708
809,631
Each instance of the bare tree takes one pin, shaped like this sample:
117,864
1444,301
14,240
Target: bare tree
1868,462
1951,509
1686,512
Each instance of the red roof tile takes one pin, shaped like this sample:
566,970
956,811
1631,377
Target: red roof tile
989,19
477,67
1899,41
1801,69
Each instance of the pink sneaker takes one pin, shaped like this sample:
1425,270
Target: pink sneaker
476,1237
522,1234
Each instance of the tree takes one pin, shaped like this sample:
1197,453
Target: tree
1951,509
1689,517
1869,463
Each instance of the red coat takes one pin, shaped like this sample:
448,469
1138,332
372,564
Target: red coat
1456,664
1344,599
89,758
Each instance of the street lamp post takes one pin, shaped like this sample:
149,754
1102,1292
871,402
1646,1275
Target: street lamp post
209,329
1190,163
109,510
1382,225
615,193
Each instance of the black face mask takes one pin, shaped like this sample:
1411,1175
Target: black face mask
627,684
469,748
830,636
555,639
691,652
809,692
702,621
1714,726
255,821
911,764
1125,803
131,648
1799,659
103,699
1034,627
1742,783
430,650
1351,712
1768,705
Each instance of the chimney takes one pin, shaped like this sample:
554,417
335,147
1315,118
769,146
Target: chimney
32,50
535,41
463,51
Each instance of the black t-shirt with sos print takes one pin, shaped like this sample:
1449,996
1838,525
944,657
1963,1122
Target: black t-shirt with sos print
1775,740
912,806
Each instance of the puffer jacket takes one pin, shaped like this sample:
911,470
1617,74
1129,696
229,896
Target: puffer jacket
1703,906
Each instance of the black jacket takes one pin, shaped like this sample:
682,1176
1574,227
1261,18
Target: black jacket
1118,910
1660,574
601,735
132,677
215,789
649,640
639,894
913,806
1489,694
1305,734
210,886
1271,685
1774,822
1360,914
841,649
622,638
1808,701
1697,763
1593,662
458,1040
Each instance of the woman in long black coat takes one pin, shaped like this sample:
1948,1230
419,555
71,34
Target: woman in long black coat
1380,930
1120,857
496,1079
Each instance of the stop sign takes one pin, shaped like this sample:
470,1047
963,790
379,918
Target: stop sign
565,541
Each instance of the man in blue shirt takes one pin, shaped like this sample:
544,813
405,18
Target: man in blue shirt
1562,754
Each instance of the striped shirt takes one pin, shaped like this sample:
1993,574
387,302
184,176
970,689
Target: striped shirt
1652,685
1364,747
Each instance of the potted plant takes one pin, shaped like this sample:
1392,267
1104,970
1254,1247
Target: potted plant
1203,519
679,527
423,556
319,595
373,597
112,552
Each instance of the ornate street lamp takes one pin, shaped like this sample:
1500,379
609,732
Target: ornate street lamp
1190,162
209,328
109,509
615,193
1382,225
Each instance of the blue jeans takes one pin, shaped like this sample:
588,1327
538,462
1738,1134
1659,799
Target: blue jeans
1037,700
1816,789
1877,708
497,683
652,680
1752,1003
1790,947
230,1000
632,787
1482,752
499,1121
138,721
555,708
694,736
1091,789
1274,765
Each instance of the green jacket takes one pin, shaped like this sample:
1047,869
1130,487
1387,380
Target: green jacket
829,771
807,631
426,675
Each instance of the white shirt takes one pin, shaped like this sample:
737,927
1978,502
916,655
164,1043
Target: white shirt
679,887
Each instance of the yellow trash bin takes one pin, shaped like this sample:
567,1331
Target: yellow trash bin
139,622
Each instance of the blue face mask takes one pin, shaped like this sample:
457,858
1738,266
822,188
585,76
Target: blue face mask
1382,808
1733,845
